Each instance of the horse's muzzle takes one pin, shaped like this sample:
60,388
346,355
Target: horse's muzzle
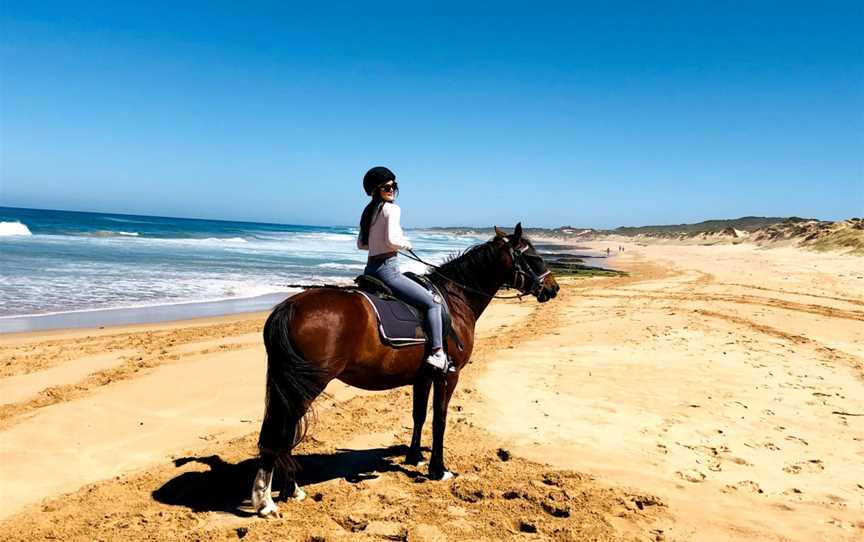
549,290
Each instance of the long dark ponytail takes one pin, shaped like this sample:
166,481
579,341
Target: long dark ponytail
372,208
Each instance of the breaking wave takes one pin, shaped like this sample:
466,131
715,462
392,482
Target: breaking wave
217,240
108,233
8,229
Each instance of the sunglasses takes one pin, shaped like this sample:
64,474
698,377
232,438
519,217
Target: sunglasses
389,187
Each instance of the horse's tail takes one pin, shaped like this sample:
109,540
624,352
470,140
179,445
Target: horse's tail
292,384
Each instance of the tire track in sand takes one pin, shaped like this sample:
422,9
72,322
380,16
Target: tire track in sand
850,300
706,279
828,352
153,349
23,356
744,299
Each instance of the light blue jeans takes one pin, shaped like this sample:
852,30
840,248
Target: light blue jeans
387,271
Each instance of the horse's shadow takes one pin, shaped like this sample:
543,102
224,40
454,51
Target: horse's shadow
226,486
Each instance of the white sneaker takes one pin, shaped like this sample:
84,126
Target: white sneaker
439,361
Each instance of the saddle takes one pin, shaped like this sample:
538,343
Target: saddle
400,324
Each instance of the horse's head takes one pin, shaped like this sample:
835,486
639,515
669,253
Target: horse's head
529,272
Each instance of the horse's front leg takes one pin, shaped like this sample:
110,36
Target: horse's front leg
421,401
444,386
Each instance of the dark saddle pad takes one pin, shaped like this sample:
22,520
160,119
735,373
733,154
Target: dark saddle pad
399,323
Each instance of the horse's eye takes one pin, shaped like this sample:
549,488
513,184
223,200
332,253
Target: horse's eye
535,261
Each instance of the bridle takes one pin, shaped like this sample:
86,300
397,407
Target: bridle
525,279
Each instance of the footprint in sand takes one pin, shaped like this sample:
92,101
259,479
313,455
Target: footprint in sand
799,440
691,475
811,465
744,485
738,461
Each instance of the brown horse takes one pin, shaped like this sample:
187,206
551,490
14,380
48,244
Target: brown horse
326,333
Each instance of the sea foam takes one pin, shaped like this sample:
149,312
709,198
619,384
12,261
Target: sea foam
217,240
110,233
13,228
342,266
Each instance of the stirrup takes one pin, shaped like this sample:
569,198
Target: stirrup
449,366
449,369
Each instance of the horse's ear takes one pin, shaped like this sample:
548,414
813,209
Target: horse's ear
517,233
499,232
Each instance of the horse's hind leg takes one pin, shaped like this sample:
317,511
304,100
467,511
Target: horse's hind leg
290,489
421,402
293,382
280,432
262,494
262,498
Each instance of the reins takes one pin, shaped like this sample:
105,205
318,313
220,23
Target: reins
437,270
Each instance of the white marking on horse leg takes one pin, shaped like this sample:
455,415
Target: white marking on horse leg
447,476
262,497
298,494
270,510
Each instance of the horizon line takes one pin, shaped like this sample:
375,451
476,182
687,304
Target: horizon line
564,226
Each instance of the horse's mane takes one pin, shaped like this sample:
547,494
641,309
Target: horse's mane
462,266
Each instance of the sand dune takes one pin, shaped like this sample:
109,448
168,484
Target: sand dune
715,393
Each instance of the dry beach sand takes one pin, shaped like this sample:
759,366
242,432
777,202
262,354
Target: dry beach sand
715,393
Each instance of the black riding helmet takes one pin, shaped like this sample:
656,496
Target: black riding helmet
375,177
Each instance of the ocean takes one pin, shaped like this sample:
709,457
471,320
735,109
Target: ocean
73,269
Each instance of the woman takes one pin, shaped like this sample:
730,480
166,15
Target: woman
381,234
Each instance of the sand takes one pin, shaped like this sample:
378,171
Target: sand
715,393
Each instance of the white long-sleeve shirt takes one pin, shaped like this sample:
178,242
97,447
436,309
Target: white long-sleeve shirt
385,232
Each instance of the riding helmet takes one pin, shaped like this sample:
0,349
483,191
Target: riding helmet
375,177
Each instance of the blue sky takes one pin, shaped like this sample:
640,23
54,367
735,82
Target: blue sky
550,113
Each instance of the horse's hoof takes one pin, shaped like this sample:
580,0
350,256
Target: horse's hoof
415,461
269,511
443,477
298,494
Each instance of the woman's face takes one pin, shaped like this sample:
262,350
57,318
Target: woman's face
388,191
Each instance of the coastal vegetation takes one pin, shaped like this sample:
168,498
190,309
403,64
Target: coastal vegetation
571,269
810,233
